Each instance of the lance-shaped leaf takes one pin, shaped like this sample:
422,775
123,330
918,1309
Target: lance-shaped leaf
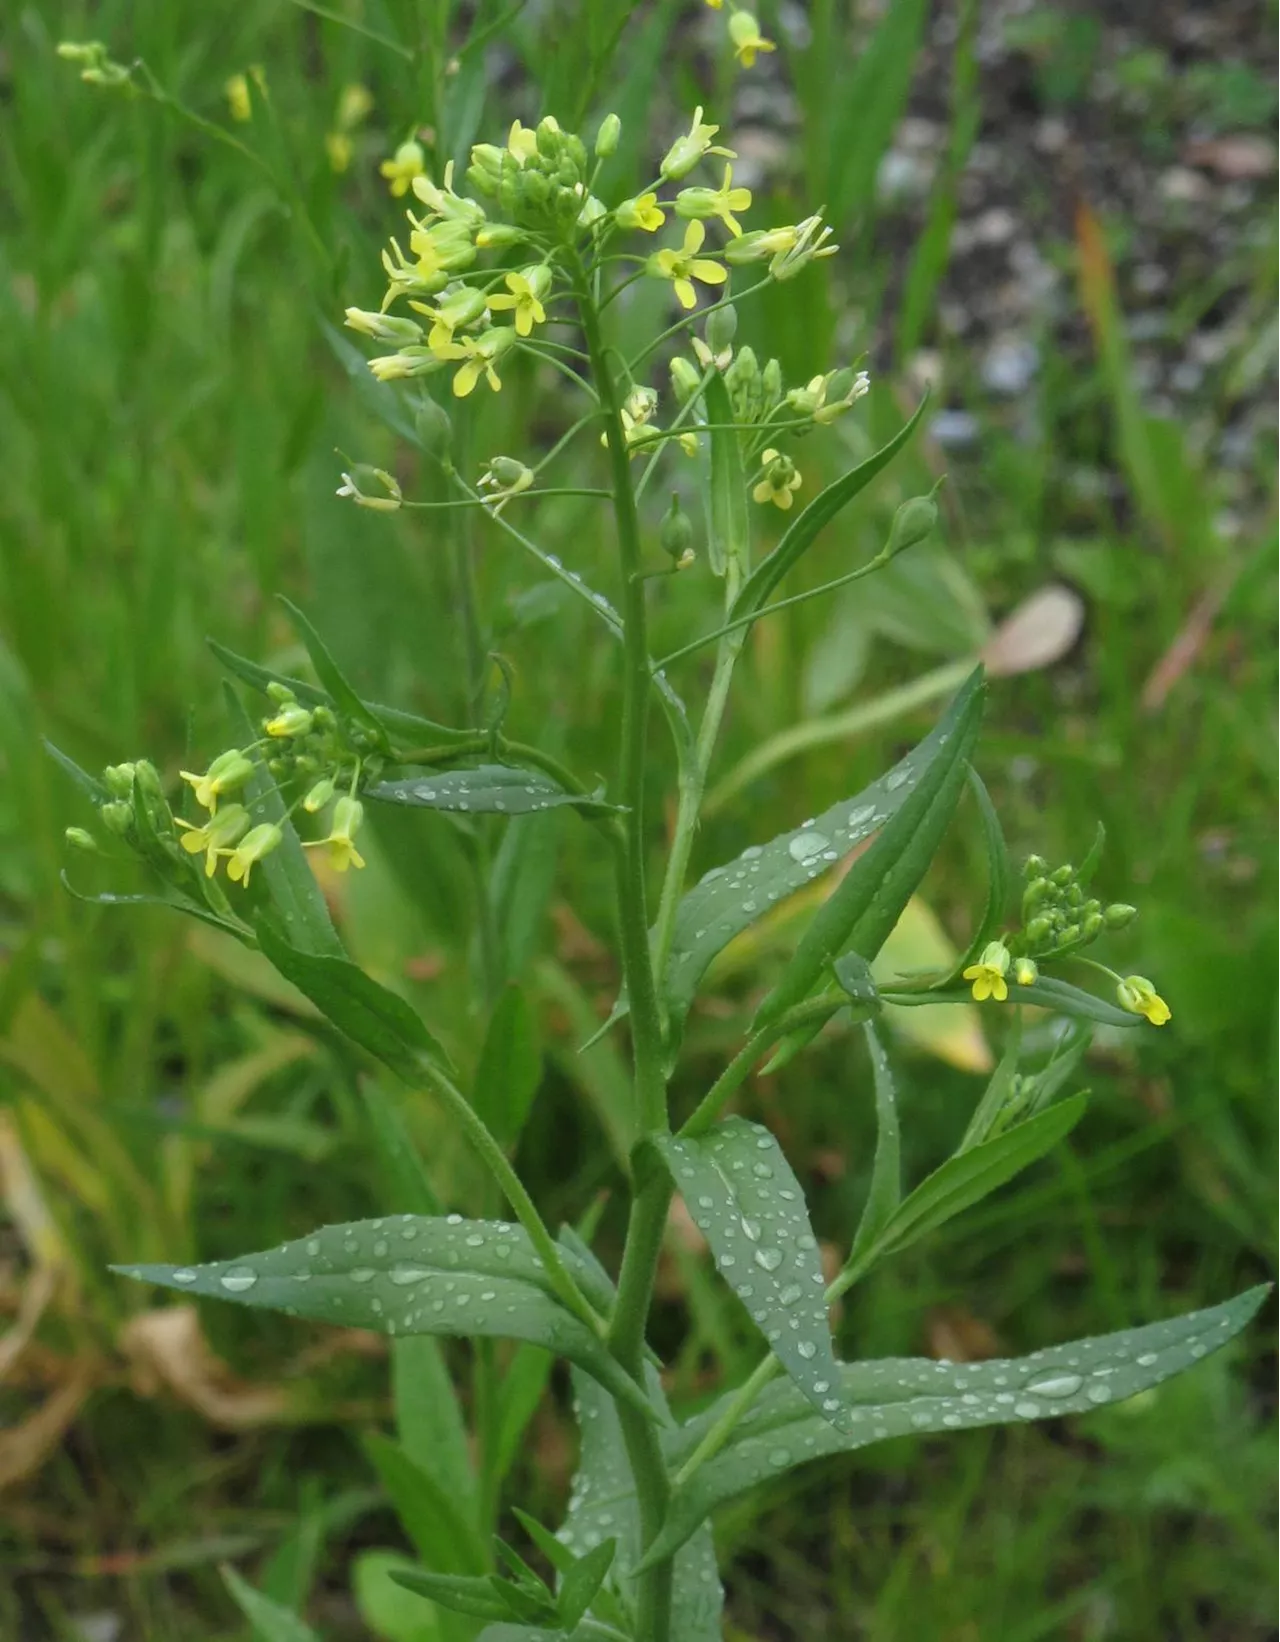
803,531
867,904
88,784
885,1191
409,726
748,1204
966,1179
490,789
603,1506
371,1015
271,1621
1000,878
731,898
409,1274
345,700
911,1396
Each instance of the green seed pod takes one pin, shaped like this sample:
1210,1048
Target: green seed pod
722,326
607,136
1035,866
676,534
913,521
434,427
1119,914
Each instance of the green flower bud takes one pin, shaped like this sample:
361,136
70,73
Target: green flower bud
722,326
291,721
1038,930
1118,915
1062,875
319,795
1075,895
1035,866
1026,971
117,817
771,384
685,380
676,535
118,780
1093,926
1039,889
280,693
434,428
80,839
607,136
1069,934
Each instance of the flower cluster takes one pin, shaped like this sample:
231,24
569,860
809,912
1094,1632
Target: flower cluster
744,34
1058,921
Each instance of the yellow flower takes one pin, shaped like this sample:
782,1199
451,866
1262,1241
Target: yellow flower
1136,994
747,39
719,202
686,151
220,830
404,165
988,974
459,308
339,846
228,773
522,143
252,847
480,354
643,212
444,248
715,4
778,481
525,292
684,266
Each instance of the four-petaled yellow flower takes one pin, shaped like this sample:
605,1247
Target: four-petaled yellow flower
260,841
779,480
643,212
339,846
747,39
988,974
525,291
404,165
218,832
1136,994
459,308
228,773
480,354
682,267
719,202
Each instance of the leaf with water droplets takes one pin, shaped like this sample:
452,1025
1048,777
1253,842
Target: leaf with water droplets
489,789
748,1204
912,1396
409,1274
602,1505
731,898
863,909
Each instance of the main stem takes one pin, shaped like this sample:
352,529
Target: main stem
652,1194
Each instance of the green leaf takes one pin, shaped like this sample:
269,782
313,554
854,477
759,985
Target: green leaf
729,531
748,1204
1047,993
290,881
995,1097
463,1594
429,1420
407,1274
1000,877
88,784
510,1068
421,731
602,1505
391,1613
368,1013
1087,867
802,532
489,789
866,905
870,101
896,1397
402,1176
582,1581
442,1534
345,701
968,1177
885,1191
731,898
173,899
524,1380
271,1622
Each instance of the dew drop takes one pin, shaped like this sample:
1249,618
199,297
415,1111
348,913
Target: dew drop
1099,1394
1059,1385
896,779
1148,1359
184,1276
790,1294
401,1275
238,1279
807,1350
762,1171
751,1231
1027,1411
768,1259
362,1275
805,845
779,1456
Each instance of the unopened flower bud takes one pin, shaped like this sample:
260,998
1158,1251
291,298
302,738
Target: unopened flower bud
81,839
1062,875
1038,930
1074,896
676,534
722,326
1093,926
1069,934
292,720
319,795
685,380
1035,866
117,817
118,780
1118,915
771,384
912,523
434,428
607,136
1026,971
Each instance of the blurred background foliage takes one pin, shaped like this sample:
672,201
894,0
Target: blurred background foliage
1058,216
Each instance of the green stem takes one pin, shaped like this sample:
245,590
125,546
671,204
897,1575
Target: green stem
735,1073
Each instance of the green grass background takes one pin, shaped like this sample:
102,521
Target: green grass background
170,413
